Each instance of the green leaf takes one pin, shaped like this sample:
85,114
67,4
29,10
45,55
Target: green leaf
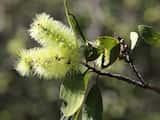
93,108
134,38
91,53
72,92
149,35
110,47
73,22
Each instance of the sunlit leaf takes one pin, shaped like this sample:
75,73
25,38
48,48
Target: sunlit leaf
93,108
149,35
111,48
134,38
72,92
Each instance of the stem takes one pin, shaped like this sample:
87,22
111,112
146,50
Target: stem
78,27
70,17
125,79
67,11
132,65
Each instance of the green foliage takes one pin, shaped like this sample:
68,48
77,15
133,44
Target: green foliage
60,57
93,107
72,92
90,52
73,22
149,35
110,48
31,98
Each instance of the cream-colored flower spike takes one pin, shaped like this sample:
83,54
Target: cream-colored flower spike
47,31
59,53
49,62
24,65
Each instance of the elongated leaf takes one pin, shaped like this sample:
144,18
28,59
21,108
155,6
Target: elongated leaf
76,27
111,49
93,108
149,35
134,38
73,22
72,92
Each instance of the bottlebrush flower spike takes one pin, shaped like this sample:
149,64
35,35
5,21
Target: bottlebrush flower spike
24,65
59,53
47,31
48,62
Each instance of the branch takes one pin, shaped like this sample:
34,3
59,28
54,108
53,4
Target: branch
125,79
132,65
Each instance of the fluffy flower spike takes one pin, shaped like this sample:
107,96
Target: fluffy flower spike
59,53
24,65
47,31
48,62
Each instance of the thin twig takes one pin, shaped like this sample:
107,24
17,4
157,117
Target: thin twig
138,74
124,78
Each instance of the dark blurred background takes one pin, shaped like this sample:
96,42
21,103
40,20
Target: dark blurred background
29,98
